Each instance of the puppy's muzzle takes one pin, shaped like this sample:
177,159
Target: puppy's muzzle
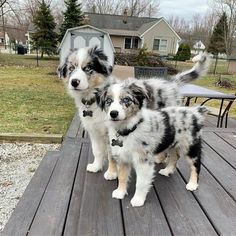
114,114
75,83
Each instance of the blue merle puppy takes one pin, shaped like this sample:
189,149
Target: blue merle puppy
137,134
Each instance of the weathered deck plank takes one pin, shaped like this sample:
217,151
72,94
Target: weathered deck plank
217,204
222,148
64,199
182,211
147,220
99,213
228,137
51,215
23,215
92,210
71,226
220,169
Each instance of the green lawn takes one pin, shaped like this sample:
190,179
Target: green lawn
209,82
33,99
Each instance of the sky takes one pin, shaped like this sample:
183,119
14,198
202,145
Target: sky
183,8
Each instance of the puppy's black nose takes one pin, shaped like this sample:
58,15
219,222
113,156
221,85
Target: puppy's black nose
114,114
75,82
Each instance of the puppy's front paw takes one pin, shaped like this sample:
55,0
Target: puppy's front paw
191,186
93,168
165,172
118,194
110,175
137,201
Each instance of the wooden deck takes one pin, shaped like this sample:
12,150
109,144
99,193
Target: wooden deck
63,199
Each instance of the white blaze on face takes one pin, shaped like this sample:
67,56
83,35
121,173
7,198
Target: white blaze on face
116,91
78,74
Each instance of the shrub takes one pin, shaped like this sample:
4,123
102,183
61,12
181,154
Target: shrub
142,58
184,53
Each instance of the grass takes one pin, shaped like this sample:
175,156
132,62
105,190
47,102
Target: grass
33,99
209,82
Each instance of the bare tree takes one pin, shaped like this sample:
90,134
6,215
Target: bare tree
229,7
133,7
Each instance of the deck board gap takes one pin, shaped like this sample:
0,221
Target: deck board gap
72,189
162,208
225,140
219,154
200,205
230,195
42,196
122,217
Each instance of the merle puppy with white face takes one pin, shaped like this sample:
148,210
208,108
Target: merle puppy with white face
84,71
136,134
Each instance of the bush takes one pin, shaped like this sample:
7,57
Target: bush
142,58
184,53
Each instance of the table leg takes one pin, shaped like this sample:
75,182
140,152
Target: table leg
219,116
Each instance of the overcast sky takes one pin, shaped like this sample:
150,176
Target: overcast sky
183,8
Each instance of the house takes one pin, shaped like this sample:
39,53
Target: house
129,33
12,35
83,36
198,47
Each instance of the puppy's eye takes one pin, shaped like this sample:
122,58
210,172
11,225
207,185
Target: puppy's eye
88,69
109,101
71,68
125,100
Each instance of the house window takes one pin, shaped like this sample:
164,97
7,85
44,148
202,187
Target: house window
135,43
128,43
156,44
160,44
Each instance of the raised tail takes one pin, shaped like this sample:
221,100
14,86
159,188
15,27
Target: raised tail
203,110
199,69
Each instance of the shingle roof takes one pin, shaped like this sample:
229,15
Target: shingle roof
114,23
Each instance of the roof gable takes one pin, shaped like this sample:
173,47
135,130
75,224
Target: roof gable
83,27
157,22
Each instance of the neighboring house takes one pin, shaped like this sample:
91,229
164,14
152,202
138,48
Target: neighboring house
198,47
83,36
131,33
2,39
12,35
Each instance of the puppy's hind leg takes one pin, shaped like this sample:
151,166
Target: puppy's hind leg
99,151
123,178
170,168
144,175
194,160
194,174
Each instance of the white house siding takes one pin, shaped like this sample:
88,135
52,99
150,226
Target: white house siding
161,31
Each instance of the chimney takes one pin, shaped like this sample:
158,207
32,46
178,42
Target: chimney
125,16
86,19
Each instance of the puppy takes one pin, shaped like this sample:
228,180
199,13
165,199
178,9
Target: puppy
85,70
136,134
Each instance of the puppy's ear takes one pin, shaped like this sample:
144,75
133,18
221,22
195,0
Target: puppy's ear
62,71
100,61
100,95
139,93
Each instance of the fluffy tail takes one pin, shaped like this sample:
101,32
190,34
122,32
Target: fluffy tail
200,68
202,110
